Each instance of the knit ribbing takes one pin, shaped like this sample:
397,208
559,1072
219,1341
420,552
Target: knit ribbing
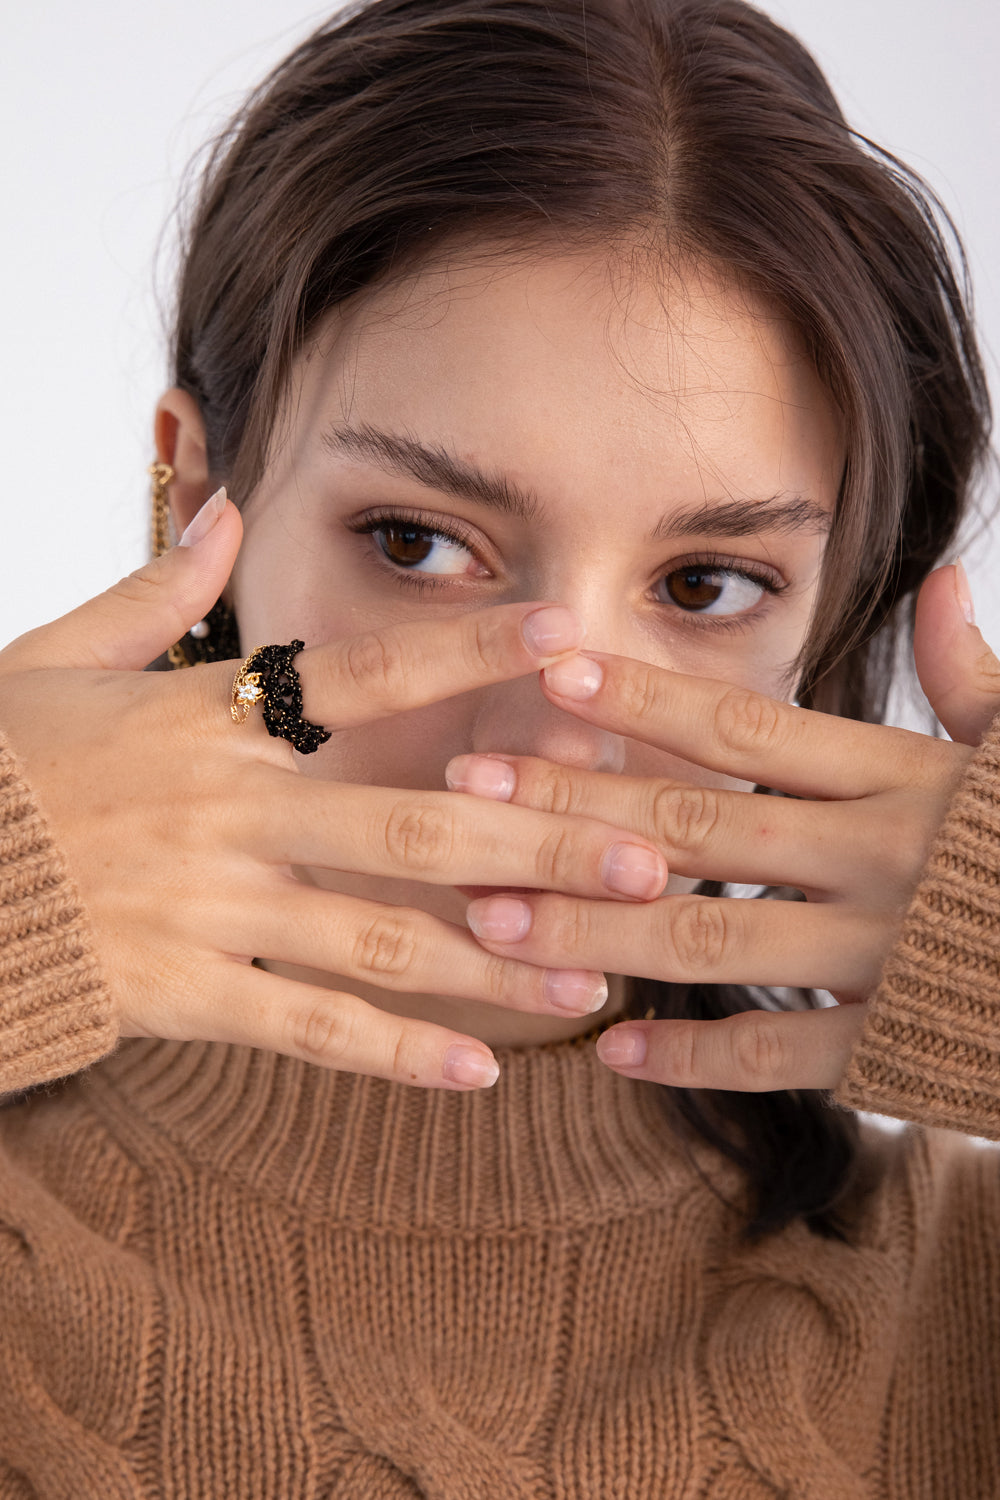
55,1010
559,1140
930,1046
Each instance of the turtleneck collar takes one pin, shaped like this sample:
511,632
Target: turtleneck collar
559,1139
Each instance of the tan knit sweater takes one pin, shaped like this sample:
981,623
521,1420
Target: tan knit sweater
228,1275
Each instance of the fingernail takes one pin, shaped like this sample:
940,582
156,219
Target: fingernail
197,530
621,1047
632,870
963,593
576,990
577,678
480,775
500,919
548,631
469,1066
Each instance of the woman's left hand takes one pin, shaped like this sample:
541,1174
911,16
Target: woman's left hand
853,837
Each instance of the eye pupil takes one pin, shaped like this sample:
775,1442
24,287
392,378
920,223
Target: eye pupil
693,588
405,544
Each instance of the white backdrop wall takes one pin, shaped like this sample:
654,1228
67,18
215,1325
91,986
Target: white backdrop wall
102,106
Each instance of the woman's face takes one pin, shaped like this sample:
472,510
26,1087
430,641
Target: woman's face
662,458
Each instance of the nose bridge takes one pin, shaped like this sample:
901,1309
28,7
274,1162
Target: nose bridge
516,718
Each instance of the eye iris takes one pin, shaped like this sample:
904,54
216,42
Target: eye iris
693,588
405,544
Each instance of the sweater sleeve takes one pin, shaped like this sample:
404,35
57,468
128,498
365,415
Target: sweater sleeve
56,1014
929,1050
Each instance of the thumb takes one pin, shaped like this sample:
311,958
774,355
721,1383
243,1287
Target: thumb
958,672
132,623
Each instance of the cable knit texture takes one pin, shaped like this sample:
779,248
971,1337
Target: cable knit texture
230,1274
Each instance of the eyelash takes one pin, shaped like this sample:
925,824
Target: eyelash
432,525
735,567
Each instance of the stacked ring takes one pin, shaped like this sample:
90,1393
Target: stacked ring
268,677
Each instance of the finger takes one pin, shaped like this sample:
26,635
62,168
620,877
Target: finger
708,833
400,948
742,733
958,672
384,672
753,1052
135,621
692,939
337,1030
441,839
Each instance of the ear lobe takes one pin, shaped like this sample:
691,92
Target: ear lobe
179,433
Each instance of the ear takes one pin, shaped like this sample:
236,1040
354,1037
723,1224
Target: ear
179,433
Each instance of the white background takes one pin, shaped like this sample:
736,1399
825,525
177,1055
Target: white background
101,108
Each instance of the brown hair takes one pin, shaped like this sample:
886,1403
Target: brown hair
702,129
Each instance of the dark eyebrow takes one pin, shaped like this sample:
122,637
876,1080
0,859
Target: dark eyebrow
745,518
433,466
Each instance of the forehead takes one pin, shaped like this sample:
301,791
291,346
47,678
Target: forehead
522,360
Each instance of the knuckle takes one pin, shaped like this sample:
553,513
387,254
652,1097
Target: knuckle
404,1058
685,817
554,861
699,933
321,1033
377,664
148,586
685,1055
746,721
502,981
568,927
386,946
418,838
757,1049
484,646
639,693
553,790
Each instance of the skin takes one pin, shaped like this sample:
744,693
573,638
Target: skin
620,409
631,412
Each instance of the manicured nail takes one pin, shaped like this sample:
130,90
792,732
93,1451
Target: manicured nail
481,776
197,530
632,870
964,593
499,919
621,1047
469,1066
548,631
575,990
577,678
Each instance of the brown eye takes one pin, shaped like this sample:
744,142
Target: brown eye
693,588
713,591
406,545
421,549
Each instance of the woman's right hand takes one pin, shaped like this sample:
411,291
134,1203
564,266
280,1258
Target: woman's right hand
181,829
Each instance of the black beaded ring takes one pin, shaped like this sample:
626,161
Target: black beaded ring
268,677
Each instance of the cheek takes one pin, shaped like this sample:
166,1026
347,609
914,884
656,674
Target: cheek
408,750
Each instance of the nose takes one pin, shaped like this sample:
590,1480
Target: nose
515,718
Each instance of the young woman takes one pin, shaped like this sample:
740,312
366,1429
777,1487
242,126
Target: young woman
594,407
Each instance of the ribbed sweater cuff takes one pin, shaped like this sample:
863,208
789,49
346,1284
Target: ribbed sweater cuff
930,1047
55,1009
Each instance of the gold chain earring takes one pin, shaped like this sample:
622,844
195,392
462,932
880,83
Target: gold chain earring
216,637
